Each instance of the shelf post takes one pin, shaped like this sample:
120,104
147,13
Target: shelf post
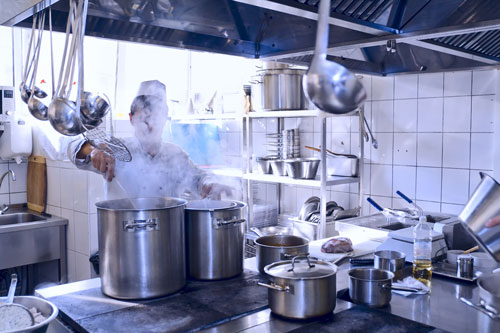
361,170
324,199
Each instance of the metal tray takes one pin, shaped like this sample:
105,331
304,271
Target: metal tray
446,269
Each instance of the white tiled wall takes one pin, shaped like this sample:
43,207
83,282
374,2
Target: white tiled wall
13,192
434,131
72,194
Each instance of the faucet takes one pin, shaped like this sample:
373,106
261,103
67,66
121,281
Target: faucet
6,207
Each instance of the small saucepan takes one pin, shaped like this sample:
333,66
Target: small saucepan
275,248
372,286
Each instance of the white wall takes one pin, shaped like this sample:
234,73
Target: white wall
434,131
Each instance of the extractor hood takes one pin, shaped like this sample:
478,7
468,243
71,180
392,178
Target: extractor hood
367,36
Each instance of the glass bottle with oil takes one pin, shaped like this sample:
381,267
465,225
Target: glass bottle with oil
422,249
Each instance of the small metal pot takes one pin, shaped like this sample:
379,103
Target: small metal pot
489,291
301,289
275,248
392,261
370,286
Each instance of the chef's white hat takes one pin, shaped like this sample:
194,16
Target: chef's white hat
153,88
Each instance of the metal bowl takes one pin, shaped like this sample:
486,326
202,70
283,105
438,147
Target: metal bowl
302,168
264,164
48,310
278,167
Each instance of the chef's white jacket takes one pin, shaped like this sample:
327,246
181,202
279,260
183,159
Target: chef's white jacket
170,173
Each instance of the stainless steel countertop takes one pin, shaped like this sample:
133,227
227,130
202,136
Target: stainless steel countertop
442,309
50,221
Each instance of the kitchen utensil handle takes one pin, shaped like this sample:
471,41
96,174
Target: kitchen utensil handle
472,249
404,197
354,261
400,288
140,224
300,257
374,204
322,34
274,287
257,231
479,308
228,222
12,289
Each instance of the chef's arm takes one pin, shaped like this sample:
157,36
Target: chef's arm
86,157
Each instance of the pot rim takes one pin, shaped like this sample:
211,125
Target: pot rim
283,246
391,274
334,271
238,205
180,203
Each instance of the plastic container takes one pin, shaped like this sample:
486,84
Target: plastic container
422,250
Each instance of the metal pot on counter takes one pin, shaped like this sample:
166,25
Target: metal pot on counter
278,89
275,248
214,239
141,246
301,289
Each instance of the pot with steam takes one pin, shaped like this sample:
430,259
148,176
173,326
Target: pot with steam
141,246
214,239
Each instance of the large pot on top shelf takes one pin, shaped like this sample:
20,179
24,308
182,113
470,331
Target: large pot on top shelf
278,89
214,239
141,246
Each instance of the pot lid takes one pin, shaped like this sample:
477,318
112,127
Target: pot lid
210,205
301,268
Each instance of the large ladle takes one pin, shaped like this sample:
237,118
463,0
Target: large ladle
328,85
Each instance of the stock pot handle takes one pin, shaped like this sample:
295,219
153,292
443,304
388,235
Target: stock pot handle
409,289
134,225
286,256
221,222
274,286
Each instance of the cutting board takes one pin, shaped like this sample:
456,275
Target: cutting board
37,183
360,248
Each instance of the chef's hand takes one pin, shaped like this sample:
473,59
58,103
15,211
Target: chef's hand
99,160
214,191
493,222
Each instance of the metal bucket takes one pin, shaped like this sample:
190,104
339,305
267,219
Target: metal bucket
483,205
141,246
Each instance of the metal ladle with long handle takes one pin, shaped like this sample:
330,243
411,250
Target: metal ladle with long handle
14,316
328,85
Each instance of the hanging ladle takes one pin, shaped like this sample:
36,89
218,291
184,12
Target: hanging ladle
328,85
14,316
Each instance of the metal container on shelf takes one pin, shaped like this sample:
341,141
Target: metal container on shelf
342,166
141,247
214,239
278,89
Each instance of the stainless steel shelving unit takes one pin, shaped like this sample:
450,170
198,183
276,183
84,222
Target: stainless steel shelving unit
321,182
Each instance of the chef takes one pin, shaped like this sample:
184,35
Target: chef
157,169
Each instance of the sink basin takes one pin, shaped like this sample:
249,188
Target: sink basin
19,218
396,226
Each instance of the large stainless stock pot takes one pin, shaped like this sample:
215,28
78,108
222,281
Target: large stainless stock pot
301,289
214,239
278,89
141,246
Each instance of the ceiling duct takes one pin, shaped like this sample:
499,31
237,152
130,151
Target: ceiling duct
371,36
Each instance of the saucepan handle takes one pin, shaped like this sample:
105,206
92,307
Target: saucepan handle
274,286
480,308
409,289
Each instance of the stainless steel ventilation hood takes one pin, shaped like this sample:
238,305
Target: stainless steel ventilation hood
368,36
